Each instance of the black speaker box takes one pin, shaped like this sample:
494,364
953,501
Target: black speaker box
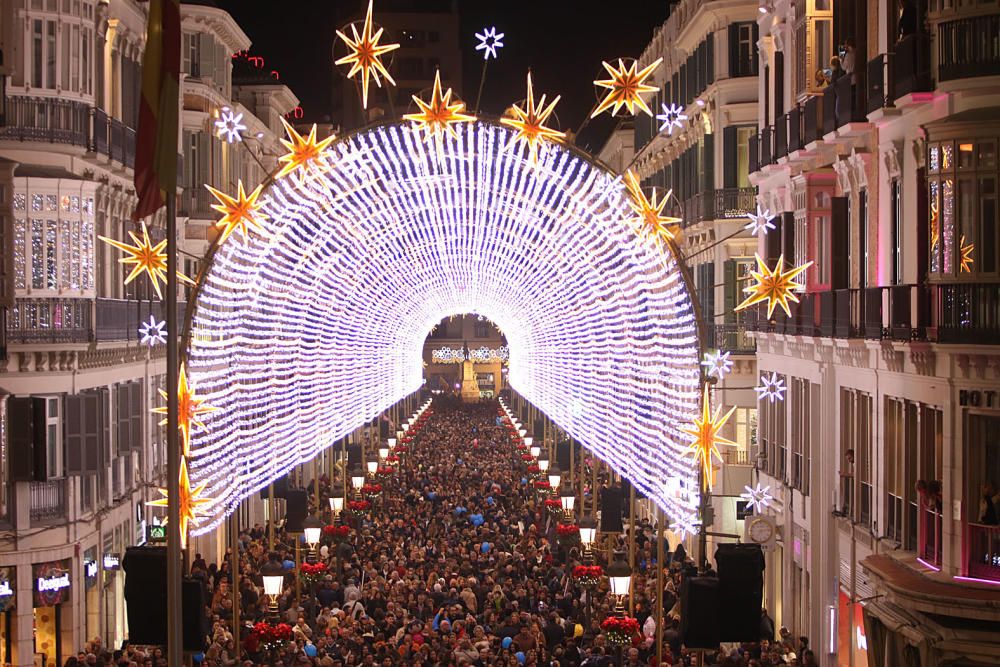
538,432
741,594
195,621
296,509
146,600
611,510
700,612
280,488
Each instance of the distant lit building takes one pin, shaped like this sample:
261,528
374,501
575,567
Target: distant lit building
462,337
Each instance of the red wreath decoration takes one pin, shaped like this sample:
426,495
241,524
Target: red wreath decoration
567,530
620,629
533,469
588,572
359,506
543,484
526,457
369,490
337,532
553,503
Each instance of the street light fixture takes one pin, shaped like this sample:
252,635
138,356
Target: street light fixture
543,464
312,527
273,575
568,500
555,477
357,479
588,535
528,442
383,452
620,577
337,503
535,450
372,465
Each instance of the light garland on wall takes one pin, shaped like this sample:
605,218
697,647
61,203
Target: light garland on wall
365,55
449,355
299,337
626,87
229,125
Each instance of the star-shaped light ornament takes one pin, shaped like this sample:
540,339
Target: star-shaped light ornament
967,259
365,55
529,123
305,152
771,387
192,505
238,212
672,116
189,410
776,287
145,258
229,125
489,41
440,114
717,363
705,431
687,525
626,87
758,498
649,218
152,332
760,221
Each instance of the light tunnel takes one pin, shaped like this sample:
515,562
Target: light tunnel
301,335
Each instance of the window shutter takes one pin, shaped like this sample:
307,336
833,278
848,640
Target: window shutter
20,439
73,434
839,243
731,289
95,431
221,68
122,421
203,68
779,86
754,55
730,160
772,244
734,50
135,415
708,158
788,237
710,56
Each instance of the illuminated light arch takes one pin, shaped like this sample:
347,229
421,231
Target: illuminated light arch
303,334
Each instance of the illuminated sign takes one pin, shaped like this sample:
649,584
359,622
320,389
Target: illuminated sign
5,589
90,569
156,533
53,583
111,562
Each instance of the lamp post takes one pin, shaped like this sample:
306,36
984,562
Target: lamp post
336,505
555,478
273,575
568,502
357,480
534,450
313,528
543,464
620,576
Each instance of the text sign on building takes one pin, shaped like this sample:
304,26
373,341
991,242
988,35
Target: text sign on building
8,582
51,582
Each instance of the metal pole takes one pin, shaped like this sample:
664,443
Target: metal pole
631,544
235,546
298,571
659,586
270,516
175,655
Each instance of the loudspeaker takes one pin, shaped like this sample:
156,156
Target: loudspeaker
538,432
280,488
562,456
741,594
146,594
194,622
296,509
354,456
611,510
700,612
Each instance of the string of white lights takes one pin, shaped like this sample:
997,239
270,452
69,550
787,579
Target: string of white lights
302,335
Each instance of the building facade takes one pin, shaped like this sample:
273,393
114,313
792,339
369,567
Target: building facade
465,337
81,452
877,146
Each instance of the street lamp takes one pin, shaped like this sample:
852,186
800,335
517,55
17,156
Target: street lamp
535,450
312,527
620,577
357,479
273,575
543,464
522,432
337,503
588,535
392,442
555,477
568,500
383,452
372,465
528,442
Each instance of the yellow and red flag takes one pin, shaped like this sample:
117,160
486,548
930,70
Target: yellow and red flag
156,141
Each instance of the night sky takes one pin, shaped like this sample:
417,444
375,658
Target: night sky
562,42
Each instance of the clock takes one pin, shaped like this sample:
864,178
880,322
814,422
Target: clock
760,529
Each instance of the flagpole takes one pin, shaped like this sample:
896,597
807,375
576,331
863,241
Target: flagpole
175,656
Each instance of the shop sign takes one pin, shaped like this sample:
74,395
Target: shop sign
112,562
52,582
8,581
156,533
90,567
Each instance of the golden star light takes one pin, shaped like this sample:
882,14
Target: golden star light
365,55
625,87
303,151
776,286
238,212
529,123
705,431
649,218
145,258
189,409
192,505
967,258
438,116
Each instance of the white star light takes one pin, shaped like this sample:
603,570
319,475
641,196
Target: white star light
229,125
685,526
757,498
772,388
152,332
672,116
489,41
760,221
718,363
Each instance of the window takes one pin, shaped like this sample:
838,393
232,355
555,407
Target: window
821,248
856,444
743,49
50,54
37,53
55,254
863,238
53,439
482,330
743,135
410,68
896,220
773,430
800,397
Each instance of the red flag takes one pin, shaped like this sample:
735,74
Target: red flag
156,141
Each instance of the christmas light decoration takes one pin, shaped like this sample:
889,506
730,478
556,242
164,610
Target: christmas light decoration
237,212
529,123
189,410
304,153
761,221
145,258
192,505
299,337
967,259
758,498
489,41
447,355
437,117
365,55
672,116
706,431
717,363
152,332
626,87
649,219
771,387
686,525
229,125
776,287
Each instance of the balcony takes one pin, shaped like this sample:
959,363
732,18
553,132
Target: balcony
765,146
119,319
752,148
48,500
794,119
880,89
812,123
911,65
781,137
965,313
733,338
46,120
983,548
50,321
929,536
724,203
968,48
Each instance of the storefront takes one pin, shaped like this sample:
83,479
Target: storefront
92,592
852,643
51,587
8,587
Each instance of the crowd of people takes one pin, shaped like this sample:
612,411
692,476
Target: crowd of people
455,562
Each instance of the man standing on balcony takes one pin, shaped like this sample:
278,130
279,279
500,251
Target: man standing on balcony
989,505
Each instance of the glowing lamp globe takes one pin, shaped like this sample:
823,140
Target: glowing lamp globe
392,443
337,502
588,531
372,465
357,479
312,527
568,499
383,452
523,432
543,465
620,575
534,450
273,575
528,442
555,476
